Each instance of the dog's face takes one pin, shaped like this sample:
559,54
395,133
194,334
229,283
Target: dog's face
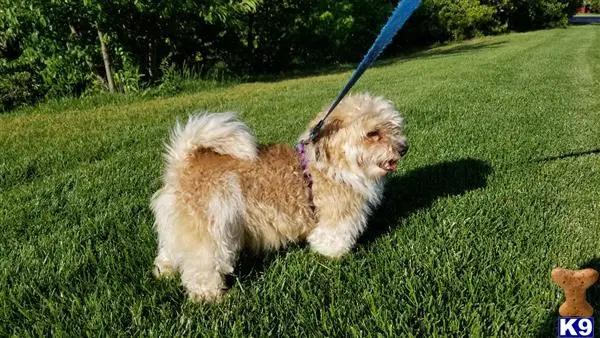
363,133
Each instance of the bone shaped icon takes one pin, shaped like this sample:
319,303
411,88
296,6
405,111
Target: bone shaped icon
575,283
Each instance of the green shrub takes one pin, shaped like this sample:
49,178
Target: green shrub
20,83
15,89
51,48
463,18
67,73
594,6
523,15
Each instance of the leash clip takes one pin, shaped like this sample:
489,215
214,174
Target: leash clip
315,131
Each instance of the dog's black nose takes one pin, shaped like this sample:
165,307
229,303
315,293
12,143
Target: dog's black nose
403,149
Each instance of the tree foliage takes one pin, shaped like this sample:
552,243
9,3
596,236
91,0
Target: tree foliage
593,5
51,48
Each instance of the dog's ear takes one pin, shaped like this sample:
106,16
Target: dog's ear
323,139
329,128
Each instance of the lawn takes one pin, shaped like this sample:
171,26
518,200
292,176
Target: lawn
502,183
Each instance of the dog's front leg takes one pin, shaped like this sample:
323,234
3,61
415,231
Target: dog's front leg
335,236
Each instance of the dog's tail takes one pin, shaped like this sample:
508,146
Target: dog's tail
222,133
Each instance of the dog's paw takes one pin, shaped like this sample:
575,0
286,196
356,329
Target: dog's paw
164,270
335,252
207,295
329,243
164,265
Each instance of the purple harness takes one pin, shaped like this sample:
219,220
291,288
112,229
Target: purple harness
306,174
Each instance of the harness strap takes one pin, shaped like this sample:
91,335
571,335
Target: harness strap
300,148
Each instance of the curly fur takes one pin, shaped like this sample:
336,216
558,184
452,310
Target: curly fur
223,193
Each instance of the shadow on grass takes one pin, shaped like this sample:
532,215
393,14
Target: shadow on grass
567,155
413,53
404,194
420,188
251,265
550,326
443,51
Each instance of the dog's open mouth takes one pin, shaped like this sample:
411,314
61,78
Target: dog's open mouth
389,165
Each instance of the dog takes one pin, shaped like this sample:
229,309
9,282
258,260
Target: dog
222,192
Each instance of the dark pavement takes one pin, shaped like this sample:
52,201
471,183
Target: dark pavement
585,19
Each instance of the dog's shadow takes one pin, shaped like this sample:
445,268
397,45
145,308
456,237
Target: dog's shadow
404,195
419,188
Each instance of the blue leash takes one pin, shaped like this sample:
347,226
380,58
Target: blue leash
402,12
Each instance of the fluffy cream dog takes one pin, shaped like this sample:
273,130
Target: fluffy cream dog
223,193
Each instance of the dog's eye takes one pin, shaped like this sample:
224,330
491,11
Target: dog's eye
374,135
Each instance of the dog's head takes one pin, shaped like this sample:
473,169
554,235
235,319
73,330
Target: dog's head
364,133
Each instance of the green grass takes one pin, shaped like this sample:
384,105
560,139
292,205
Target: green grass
502,183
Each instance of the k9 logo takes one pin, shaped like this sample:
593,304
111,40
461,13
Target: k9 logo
575,327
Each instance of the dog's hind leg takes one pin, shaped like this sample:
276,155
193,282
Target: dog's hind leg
215,256
163,206
199,272
225,212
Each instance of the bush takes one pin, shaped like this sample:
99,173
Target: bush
594,6
302,33
66,73
20,83
524,15
38,74
51,48
16,89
